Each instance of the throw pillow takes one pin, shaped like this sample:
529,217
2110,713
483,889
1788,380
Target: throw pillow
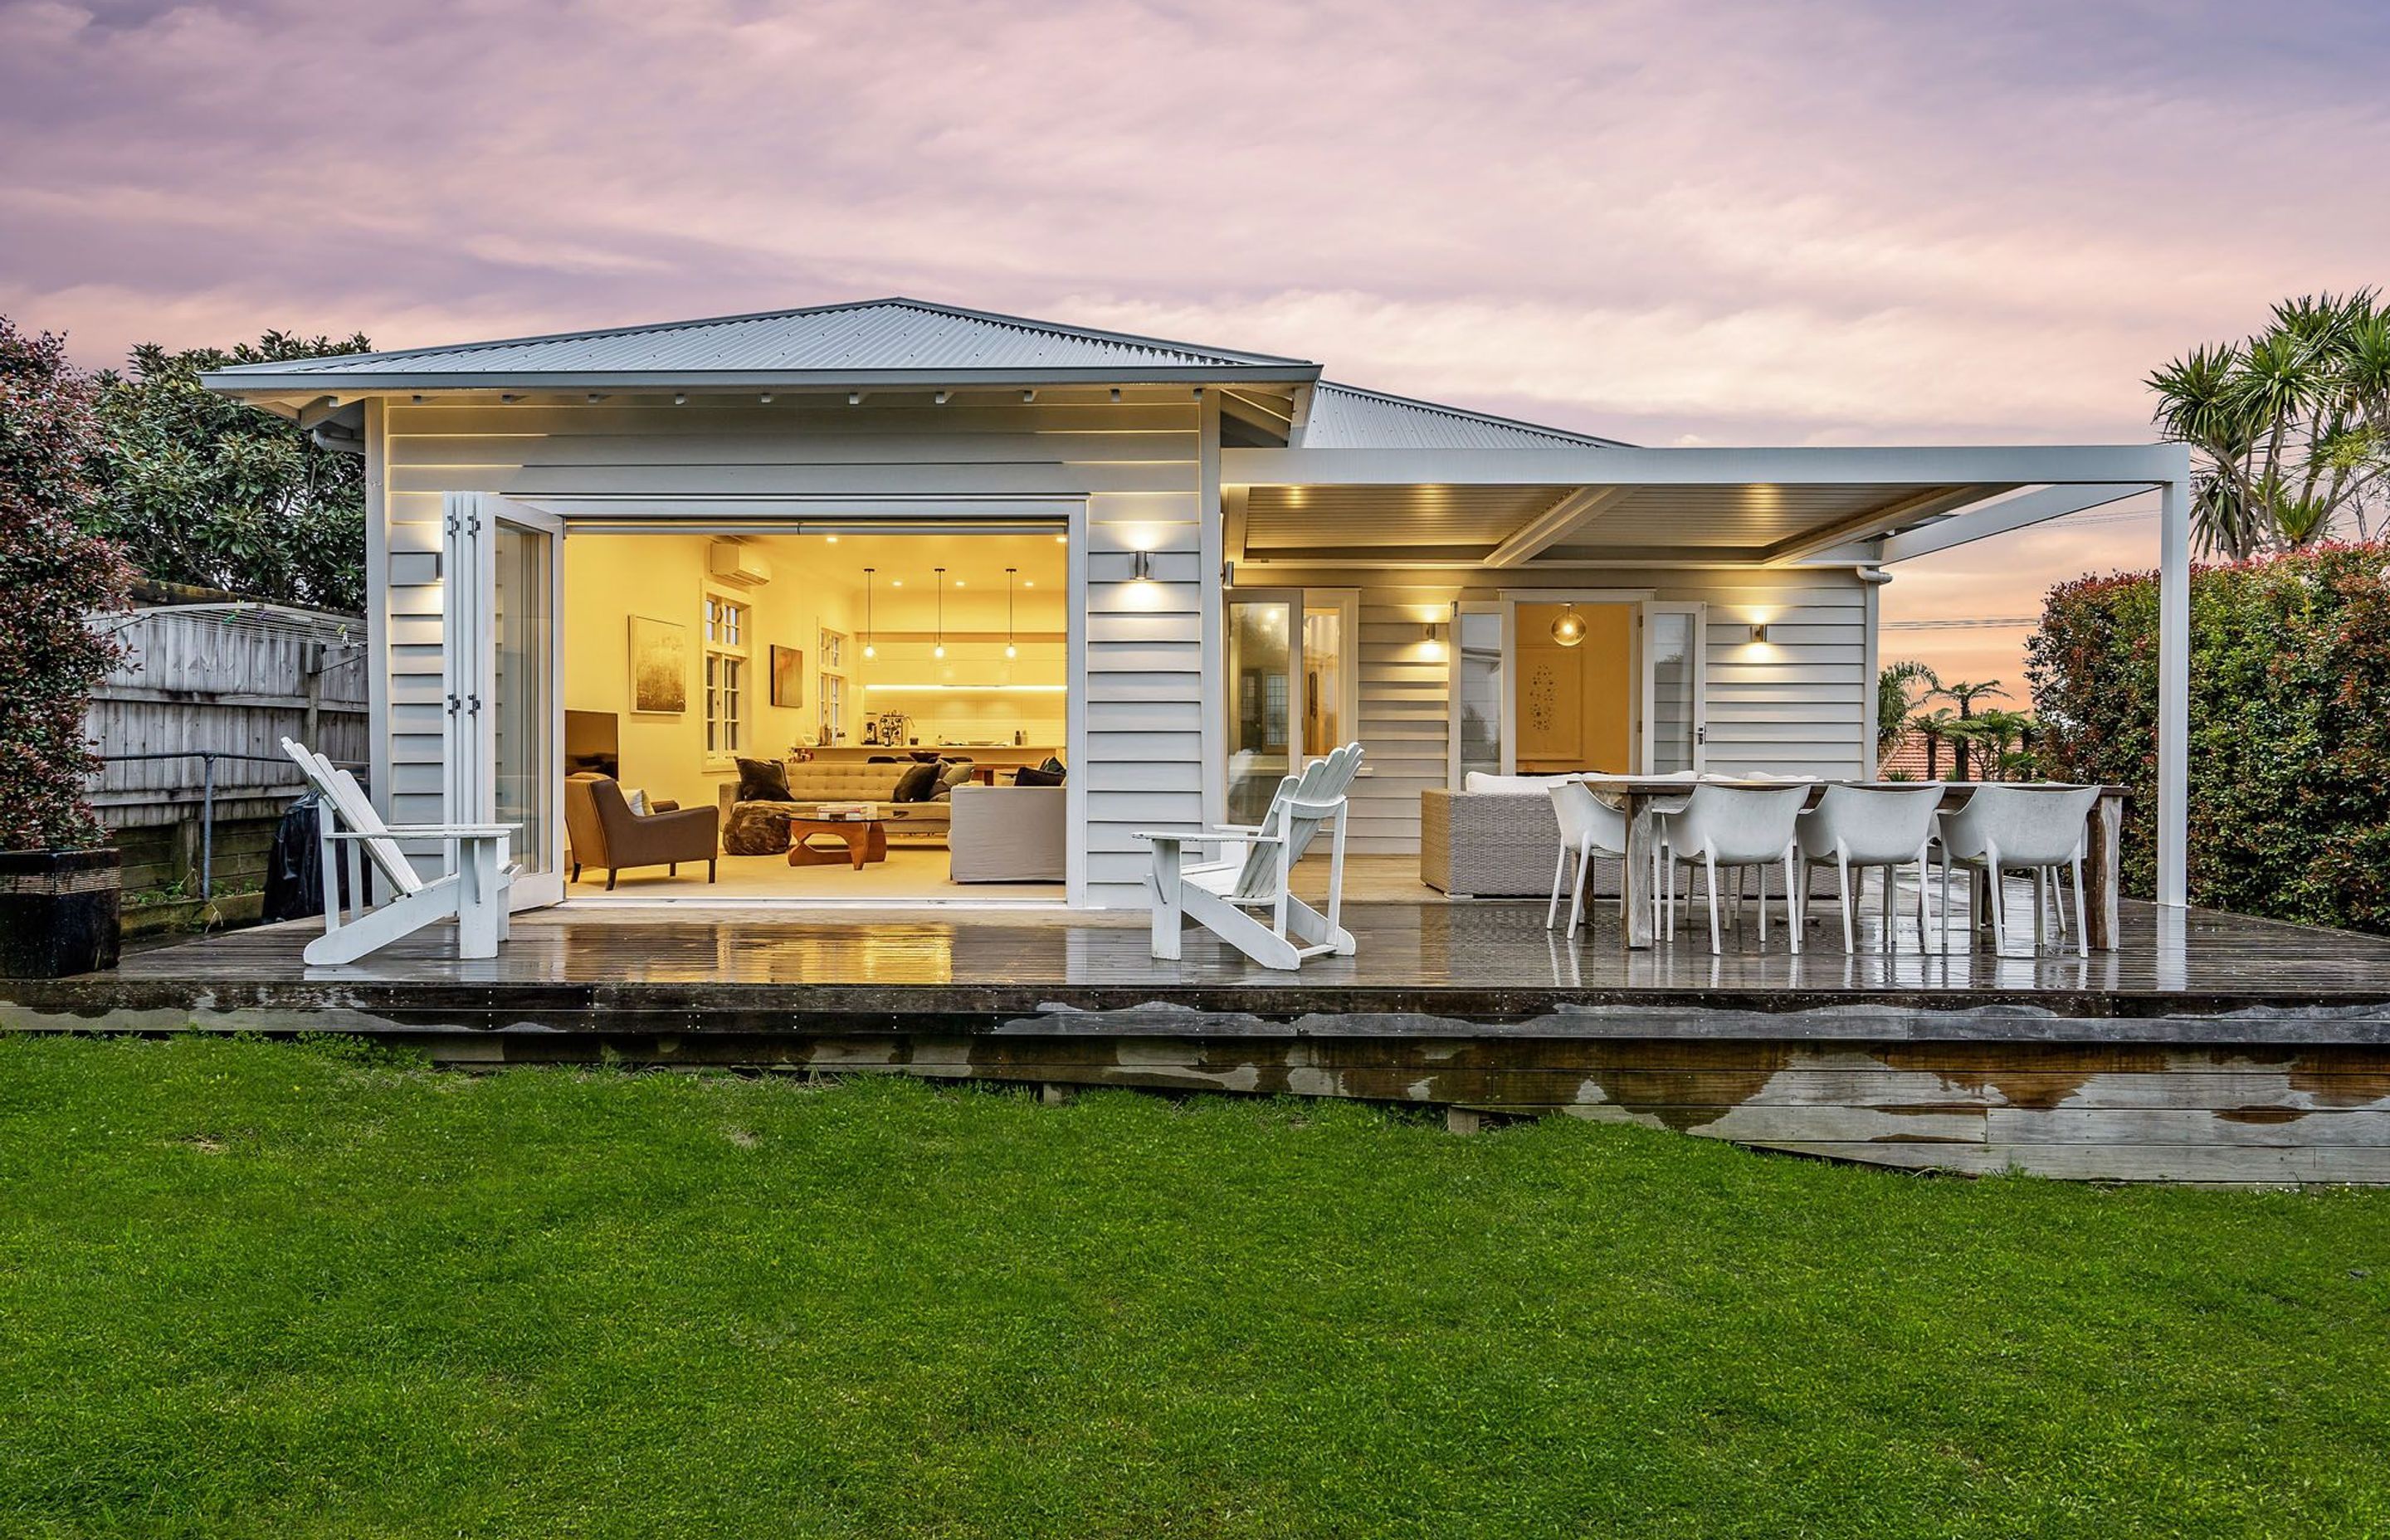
1052,766
915,784
1032,775
639,801
763,780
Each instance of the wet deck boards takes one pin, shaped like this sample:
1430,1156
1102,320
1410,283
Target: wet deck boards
2206,1048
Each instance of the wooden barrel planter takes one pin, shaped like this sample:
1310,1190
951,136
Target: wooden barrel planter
59,912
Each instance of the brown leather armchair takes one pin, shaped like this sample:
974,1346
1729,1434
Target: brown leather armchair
605,832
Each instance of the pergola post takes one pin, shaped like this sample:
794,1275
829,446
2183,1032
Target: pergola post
2173,684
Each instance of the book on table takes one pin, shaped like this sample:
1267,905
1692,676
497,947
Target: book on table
842,813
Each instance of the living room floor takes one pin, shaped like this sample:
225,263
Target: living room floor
918,874
911,873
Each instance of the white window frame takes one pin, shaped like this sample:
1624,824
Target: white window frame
829,687
741,651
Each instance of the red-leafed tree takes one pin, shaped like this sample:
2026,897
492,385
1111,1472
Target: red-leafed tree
53,578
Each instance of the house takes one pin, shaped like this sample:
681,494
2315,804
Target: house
859,533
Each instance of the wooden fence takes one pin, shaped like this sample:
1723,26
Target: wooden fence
229,680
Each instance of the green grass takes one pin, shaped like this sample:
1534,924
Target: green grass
259,1289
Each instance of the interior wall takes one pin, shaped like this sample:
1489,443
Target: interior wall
610,578
1574,707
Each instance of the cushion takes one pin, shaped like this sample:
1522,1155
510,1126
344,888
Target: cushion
1479,783
951,774
917,785
763,780
639,801
1052,766
1032,775
756,831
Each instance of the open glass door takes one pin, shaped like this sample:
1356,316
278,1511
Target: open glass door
504,749
1265,697
1675,701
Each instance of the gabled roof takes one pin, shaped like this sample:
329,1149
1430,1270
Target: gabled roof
872,341
1345,417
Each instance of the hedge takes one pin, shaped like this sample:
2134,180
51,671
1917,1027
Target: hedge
2289,726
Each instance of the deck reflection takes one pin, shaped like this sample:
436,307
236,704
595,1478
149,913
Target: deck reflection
1482,946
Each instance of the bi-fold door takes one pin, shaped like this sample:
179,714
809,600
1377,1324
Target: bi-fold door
505,756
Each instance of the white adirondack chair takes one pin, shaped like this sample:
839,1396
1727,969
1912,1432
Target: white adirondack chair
473,892
1253,872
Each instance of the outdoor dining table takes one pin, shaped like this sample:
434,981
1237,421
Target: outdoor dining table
1644,799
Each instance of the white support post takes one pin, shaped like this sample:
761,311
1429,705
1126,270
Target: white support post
2173,684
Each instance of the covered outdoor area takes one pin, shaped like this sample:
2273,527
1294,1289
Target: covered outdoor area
1739,585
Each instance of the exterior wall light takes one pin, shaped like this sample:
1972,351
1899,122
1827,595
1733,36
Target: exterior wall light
1141,567
1759,631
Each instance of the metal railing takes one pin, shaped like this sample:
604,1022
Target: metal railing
207,758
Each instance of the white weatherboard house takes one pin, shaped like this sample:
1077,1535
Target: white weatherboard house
862,532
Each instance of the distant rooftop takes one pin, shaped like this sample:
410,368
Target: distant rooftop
1345,417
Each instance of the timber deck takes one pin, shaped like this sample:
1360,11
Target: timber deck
2206,1047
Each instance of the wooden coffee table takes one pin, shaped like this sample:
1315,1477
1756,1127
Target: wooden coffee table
866,839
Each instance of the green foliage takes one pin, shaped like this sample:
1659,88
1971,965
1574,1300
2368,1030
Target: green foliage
1898,689
2290,759
2291,428
1953,731
204,489
251,1290
54,577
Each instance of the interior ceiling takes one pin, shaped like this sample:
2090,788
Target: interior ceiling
973,562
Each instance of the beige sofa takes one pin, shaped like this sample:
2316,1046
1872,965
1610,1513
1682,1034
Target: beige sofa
815,781
1008,834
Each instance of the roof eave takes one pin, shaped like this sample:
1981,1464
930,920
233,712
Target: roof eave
372,382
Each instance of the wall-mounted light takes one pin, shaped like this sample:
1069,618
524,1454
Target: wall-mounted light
1141,567
766,399
868,651
940,651
679,399
1431,642
1569,629
1759,631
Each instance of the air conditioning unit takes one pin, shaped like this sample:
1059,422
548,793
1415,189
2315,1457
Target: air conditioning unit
731,562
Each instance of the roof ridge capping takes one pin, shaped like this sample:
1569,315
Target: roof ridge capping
1184,354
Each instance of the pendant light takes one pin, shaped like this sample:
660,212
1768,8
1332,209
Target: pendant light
940,651
1569,629
868,651
1009,650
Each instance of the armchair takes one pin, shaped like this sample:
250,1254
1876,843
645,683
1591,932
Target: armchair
605,832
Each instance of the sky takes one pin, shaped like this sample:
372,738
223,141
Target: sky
1721,224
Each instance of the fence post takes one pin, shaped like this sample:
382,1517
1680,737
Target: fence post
207,827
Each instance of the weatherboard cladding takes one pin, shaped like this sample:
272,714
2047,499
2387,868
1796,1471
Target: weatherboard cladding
875,337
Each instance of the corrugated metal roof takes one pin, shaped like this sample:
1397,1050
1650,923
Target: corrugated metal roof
1345,417
864,342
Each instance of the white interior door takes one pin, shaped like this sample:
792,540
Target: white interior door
1675,688
503,594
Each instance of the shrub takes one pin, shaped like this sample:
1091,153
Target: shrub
2289,726
54,576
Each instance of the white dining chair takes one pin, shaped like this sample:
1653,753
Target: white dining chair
1589,827
1884,828
2027,829
1735,827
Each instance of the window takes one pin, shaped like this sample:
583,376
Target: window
726,675
832,690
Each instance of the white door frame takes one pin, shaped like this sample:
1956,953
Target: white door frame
1698,644
470,676
1509,599
822,514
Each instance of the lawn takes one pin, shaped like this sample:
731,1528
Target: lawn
249,1289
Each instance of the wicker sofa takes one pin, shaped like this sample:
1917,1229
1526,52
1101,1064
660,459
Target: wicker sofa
1496,839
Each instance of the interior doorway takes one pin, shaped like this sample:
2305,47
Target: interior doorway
1547,684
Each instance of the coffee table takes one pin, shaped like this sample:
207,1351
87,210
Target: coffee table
866,839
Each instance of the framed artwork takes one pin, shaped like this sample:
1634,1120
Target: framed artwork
658,666
788,676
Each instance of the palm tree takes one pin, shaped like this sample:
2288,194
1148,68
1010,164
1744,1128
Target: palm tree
1934,726
2291,427
1895,702
1964,694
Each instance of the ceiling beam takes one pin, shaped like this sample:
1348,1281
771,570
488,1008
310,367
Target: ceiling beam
1877,521
1552,526
2015,513
1896,467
